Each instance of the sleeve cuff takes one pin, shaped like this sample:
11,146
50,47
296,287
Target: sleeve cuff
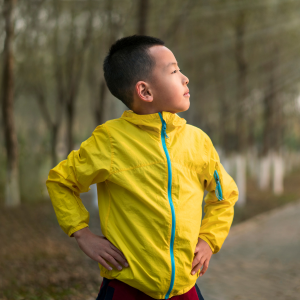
81,226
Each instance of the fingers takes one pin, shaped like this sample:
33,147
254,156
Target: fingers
197,248
115,258
122,258
104,263
196,260
108,257
115,248
112,257
205,267
119,257
103,251
197,264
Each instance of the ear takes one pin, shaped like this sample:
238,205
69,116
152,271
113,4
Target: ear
143,91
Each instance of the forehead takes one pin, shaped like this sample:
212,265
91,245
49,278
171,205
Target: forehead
163,56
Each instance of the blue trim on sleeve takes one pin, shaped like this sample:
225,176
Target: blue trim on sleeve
218,189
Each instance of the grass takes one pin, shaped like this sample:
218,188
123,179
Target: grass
261,201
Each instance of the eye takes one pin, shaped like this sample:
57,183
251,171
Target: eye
175,71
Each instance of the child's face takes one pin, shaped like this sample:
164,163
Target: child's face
166,90
168,84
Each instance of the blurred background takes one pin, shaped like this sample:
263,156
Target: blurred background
243,64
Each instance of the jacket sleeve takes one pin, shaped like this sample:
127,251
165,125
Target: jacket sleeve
72,176
219,201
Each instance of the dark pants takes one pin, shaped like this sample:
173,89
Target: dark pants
113,289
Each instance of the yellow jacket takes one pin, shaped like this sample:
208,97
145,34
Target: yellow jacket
151,172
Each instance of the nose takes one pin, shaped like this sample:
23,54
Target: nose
186,80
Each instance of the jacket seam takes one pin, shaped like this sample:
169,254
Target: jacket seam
72,170
111,148
78,200
60,175
156,162
139,166
108,210
193,170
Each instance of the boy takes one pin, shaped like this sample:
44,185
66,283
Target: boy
151,170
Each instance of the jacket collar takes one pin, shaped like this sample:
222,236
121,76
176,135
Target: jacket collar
153,122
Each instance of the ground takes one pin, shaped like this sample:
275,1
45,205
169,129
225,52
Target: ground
259,259
38,261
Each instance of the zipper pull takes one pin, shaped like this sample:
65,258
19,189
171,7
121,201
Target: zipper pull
218,189
164,129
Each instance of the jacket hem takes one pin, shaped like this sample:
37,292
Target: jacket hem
156,295
182,291
102,274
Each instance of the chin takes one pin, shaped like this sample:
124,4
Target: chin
186,107
181,108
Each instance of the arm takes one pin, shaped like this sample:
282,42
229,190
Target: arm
82,168
219,212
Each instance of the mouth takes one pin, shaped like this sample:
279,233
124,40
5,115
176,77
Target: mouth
187,94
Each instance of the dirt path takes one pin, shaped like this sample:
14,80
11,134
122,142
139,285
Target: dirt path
259,260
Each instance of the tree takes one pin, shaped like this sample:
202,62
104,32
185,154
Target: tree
142,17
12,189
241,135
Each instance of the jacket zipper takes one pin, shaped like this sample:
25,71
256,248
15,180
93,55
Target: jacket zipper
163,135
218,189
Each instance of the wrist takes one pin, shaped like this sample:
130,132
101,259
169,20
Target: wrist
206,243
79,233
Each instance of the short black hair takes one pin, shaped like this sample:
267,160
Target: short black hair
127,62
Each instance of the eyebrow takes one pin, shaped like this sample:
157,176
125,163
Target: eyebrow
171,63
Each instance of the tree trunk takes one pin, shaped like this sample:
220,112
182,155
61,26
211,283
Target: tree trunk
273,129
70,122
278,173
241,178
264,174
54,131
12,189
241,125
252,162
75,68
268,130
143,12
224,107
102,101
